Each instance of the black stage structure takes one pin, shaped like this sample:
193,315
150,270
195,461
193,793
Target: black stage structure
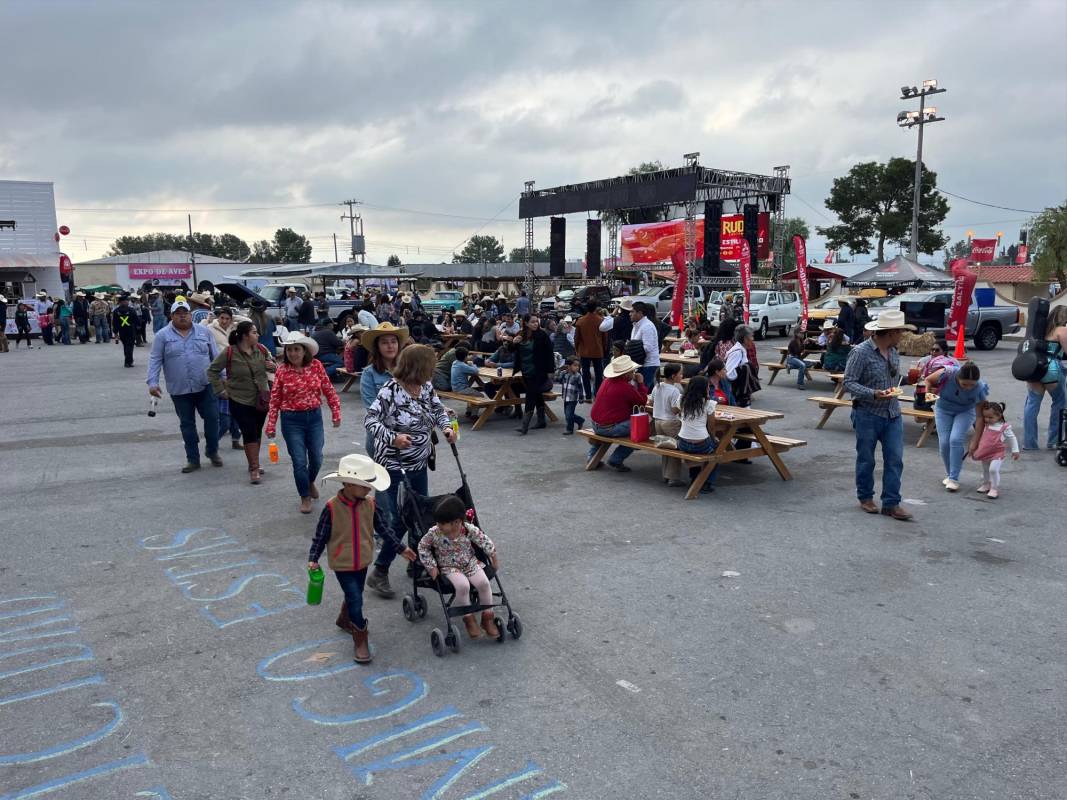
687,187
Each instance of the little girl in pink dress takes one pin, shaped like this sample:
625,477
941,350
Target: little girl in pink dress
990,448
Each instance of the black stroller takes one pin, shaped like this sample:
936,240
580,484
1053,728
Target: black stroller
416,516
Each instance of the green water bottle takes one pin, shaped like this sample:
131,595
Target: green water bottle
315,581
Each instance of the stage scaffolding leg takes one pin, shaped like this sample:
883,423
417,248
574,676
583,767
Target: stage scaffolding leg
690,257
528,255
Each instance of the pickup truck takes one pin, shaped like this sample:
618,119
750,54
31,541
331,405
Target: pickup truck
447,300
273,294
663,296
768,309
985,325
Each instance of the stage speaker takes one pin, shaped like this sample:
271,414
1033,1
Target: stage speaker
751,218
592,248
557,247
712,236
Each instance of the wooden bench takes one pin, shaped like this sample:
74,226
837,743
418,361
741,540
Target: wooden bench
489,405
351,376
831,404
776,368
707,461
780,442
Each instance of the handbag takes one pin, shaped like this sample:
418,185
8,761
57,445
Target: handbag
639,425
635,349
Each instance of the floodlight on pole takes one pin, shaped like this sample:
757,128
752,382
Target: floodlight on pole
909,119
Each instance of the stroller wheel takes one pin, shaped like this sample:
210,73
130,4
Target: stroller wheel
452,638
1061,458
420,606
515,626
409,608
500,628
437,642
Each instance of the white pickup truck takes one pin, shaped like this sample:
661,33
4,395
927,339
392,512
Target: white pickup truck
662,297
768,309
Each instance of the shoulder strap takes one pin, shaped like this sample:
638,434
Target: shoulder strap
229,358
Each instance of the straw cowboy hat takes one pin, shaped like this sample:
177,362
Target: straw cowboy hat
460,313
291,289
626,304
200,298
42,293
295,337
79,294
620,366
568,320
479,308
828,325
889,320
383,329
361,471
501,296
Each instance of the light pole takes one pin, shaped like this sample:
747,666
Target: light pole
909,119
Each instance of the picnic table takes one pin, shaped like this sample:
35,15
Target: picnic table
830,404
449,340
506,395
727,424
678,358
812,362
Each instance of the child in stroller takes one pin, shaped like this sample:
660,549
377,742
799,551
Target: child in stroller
448,549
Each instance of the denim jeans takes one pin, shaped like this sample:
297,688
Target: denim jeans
870,430
82,327
103,332
700,448
649,375
158,321
187,406
569,414
1032,408
64,330
953,429
352,585
387,502
304,438
802,369
621,429
591,388
331,362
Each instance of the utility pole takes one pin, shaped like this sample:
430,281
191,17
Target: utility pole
352,216
909,119
192,251
335,257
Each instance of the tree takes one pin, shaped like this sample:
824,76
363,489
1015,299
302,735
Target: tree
232,247
1048,241
480,249
226,245
290,247
874,201
261,253
794,226
638,216
518,255
961,249
393,261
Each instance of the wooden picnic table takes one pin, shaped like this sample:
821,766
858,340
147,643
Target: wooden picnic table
774,369
678,358
449,340
830,404
726,425
506,395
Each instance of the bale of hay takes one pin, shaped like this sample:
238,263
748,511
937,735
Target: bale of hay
916,344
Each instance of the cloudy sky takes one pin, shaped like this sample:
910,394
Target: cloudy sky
433,114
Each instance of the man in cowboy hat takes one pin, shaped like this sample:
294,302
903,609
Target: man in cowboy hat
200,303
184,351
80,311
871,376
623,388
463,324
354,508
124,327
99,311
828,327
292,308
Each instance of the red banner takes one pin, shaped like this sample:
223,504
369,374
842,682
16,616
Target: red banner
655,242
681,280
802,278
829,257
983,251
746,275
963,287
1021,254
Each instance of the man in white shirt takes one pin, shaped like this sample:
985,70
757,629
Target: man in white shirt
645,331
292,308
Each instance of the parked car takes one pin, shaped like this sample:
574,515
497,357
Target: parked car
773,309
273,294
582,296
552,302
985,325
445,300
662,297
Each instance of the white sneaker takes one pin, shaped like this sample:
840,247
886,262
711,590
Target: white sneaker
983,488
952,485
944,481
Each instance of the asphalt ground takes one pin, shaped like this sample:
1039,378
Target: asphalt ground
154,641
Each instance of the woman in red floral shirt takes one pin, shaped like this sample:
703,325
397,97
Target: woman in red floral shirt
299,385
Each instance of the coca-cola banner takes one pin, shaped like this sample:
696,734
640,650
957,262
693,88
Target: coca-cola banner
1021,254
983,251
656,242
963,281
746,275
802,278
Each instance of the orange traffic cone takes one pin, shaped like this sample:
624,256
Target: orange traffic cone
960,354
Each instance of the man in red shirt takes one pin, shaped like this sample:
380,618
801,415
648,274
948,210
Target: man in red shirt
623,388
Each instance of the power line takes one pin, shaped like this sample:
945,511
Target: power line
988,205
813,208
476,232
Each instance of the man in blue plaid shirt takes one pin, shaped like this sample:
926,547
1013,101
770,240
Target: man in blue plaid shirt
571,380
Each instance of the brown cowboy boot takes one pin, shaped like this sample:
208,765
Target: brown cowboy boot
252,457
359,639
472,626
489,625
343,621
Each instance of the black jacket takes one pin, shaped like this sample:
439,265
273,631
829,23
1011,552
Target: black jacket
307,312
544,360
124,322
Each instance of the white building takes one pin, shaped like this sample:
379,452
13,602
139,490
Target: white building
169,267
29,252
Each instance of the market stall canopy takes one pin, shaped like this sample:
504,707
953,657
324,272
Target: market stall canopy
901,272
339,270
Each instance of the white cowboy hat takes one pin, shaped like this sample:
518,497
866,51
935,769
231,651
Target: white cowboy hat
460,313
889,320
362,471
626,304
291,289
3,299
295,337
501,296
203,298
478,308
42,293
383,329
568,320
620,366
828,325
79,294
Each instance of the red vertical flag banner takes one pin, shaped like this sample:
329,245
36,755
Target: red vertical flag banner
1021,254
746,275
681,279
802,278
963,281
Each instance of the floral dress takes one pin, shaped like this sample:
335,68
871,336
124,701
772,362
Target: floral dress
437,551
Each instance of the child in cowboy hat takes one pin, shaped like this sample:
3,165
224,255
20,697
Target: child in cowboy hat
346,531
